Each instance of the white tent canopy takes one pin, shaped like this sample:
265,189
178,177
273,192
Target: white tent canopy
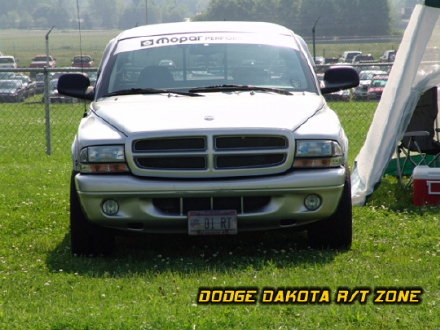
415,70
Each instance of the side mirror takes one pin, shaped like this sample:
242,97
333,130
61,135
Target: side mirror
338,78
75,85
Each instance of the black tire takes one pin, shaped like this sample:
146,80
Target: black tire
335,232
86,239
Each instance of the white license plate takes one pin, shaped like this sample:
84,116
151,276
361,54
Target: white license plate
213,222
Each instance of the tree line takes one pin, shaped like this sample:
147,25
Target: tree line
94,14
329,17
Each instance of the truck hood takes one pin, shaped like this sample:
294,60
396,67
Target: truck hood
143,113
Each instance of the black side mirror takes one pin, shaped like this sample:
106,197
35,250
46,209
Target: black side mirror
75,85
338,78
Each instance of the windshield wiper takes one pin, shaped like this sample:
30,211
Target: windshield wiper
133,91
233,88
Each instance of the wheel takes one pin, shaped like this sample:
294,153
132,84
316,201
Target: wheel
86,238
335,232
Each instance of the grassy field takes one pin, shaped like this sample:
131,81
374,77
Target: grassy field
25,44
152,282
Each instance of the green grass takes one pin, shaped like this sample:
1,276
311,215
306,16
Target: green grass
152,282
24,45
64,44
355,118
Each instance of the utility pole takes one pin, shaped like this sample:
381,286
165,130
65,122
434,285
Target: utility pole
46,96
146,12
313,37
47,45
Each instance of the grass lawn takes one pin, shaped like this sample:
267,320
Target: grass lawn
152,282
64,44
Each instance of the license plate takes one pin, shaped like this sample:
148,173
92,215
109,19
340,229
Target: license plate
213,222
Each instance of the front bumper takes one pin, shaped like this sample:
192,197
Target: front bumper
139,209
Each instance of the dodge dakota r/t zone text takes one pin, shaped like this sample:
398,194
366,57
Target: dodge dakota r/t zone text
208,128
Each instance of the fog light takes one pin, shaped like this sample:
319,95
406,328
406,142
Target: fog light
312,202
110,207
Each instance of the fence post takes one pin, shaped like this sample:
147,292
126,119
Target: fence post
47,112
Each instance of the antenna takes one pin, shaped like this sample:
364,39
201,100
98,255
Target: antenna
80,46
79,30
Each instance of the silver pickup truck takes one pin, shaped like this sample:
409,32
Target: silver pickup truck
208,128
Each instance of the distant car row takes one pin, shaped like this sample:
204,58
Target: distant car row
17,87
40,61
357,57
354,57
55,97
371,86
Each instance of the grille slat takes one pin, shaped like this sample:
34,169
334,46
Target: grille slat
249,161
170,144
172,163
250,142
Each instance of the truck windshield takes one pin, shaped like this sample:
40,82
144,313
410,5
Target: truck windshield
190,66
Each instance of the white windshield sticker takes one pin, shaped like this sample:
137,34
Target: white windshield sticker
205,38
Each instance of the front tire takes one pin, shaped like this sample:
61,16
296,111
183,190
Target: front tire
86,238
335,232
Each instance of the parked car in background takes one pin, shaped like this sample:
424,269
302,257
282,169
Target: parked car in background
30,86
342,95
12,91
388,56
8,62
365,77
347,56
7,75
319,60
39,82
363,58
331,60
40,61
82,61
376,87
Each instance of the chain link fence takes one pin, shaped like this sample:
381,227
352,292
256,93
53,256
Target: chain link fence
36,120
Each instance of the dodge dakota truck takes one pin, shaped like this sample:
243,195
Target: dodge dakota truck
208,128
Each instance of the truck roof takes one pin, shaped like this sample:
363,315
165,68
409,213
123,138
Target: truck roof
199,27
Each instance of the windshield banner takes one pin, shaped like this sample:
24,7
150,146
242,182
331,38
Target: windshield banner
205,38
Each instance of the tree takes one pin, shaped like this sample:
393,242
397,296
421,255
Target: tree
105,12
48,15
336,17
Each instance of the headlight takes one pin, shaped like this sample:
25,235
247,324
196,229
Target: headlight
103,159
318,153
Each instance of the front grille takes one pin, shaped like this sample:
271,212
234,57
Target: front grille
181,206
212,155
